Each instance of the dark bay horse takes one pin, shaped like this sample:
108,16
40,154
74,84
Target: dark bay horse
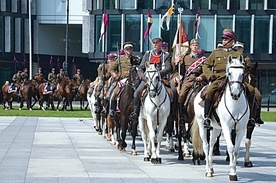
27,91
126,107
7,95
82,92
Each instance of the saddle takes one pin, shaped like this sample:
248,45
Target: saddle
12,89
47,89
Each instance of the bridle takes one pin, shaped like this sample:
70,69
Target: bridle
230,83
155,88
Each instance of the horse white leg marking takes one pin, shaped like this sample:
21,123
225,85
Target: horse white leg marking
247,147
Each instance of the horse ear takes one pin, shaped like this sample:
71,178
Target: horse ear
241,59
229,59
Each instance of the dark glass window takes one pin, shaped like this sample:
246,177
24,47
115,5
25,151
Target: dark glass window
114,33
1,33
223,22
127,4
260,37
243,31
132,30
237,4
142,4
200,4
109,4
219,4
271,4
98,33
8,5
256,4
185,4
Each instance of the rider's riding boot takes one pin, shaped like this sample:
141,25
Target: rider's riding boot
112,112
207,107
259,121
181,114
136,110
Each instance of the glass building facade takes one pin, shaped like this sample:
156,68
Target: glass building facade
253,21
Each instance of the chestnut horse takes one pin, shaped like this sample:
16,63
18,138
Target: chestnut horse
27,91
48,95
82,92
8,96
60,93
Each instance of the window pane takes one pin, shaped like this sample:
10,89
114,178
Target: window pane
256,4
260,38
142,4
185,4
163,4
223,22
127,4
109,4
114,32
271,4
1,33
132,30
243,28
206,29
98,33
200,4
219,4
237,4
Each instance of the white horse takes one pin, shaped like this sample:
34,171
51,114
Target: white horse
233,112
91,103
153,114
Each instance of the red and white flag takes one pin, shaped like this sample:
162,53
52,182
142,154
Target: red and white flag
167,16
180,43
104,25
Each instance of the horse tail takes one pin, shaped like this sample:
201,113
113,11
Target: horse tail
196,139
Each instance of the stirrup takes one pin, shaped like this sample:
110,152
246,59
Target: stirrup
207,122
112,113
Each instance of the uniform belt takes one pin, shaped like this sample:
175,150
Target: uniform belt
125,72
194,74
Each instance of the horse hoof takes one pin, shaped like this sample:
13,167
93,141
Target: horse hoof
100,133
233,178
180,157
209,174
154,161
171,150
134,152
187,154
248,164
212,169
198,162
146,158
159,160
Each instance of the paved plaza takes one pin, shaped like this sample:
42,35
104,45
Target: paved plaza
69,150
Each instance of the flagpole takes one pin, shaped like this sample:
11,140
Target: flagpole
30,40
180,10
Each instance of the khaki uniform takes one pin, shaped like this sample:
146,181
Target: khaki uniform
215,65
78,78
16,79
24,76
125,64
189,80
52,78
60,76
174,73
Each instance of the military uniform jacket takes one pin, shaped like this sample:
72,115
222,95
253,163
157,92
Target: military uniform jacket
60,76
215,64
78,78
175,68
16,78
164,65
24,76
188,61
125,64
101,71
52,77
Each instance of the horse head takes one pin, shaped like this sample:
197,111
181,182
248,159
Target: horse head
133,78
154,80
235,75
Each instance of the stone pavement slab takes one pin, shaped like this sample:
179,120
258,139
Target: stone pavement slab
59,150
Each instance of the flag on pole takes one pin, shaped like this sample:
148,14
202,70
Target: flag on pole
38,60
104,25
74,63
180,44
51,61
197,22
150,21
15,60
167,16
58,64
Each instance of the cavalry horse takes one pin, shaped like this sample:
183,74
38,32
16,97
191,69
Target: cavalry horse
154,111
60,93
233,113
82,92
70,91
28,92
8,96
126,107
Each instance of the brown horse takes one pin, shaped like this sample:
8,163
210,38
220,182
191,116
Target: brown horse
8,96
82,92
126,107
27,91
60,93
45,94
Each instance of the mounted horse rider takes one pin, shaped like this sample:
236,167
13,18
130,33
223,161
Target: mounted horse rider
120,70
78,77
193,72
52,77
15,85
163,61
24,75
240,46
214,69
60,75
103,76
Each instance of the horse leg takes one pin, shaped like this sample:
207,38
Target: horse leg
216,147
169,133
247,162
123,144
144,134
161,127
80,104
179,138
133,134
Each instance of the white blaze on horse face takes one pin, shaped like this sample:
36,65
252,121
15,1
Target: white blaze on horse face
235,77
153,80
